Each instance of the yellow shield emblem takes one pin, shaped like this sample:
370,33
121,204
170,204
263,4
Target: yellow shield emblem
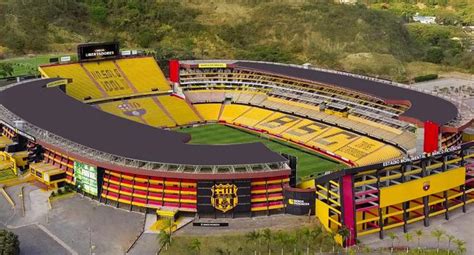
224,197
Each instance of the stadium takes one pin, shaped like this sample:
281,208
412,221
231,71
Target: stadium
233,138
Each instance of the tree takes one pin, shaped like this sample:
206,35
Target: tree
450,239
293,239
419,234
408,237
164,239
221,251
9,243
344,233
438,234
317,234
98,13
460,245
254,236
307,236
283,239
434,55
6,69
195,245
267,236
392,237
332,236
165,235
169,226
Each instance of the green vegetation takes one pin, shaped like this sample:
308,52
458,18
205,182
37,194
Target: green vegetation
6,175
418,234
24,65
308,162
447,12
371,37
427,77
9,243
306,240
165,236
64,192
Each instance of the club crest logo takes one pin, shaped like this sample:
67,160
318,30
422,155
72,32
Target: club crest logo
224,197
426,186
132,109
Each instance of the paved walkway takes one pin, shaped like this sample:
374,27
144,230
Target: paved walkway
459,225
147,244
76,225
33,240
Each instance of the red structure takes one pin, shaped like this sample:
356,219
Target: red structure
431,137
348,205
174,70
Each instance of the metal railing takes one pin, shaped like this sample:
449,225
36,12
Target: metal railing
75,148
466,113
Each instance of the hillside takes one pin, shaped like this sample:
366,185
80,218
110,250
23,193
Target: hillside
350,37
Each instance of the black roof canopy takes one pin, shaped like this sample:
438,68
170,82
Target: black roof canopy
54,111
424,107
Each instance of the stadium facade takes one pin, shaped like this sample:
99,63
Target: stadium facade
104,124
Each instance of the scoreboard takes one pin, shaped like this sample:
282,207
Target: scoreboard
98,50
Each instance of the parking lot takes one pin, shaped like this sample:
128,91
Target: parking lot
77,225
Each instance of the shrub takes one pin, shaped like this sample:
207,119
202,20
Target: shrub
9,243
426,77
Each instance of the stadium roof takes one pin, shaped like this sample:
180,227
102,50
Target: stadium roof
52,110
424,107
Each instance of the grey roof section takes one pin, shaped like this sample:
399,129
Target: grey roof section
424,107
54,111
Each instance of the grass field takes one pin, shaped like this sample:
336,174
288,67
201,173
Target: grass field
308,162
29,65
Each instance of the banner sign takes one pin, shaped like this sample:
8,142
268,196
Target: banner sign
232,196
421,156
86,178
212,65
415,189
299,202
210,224
57,83
65,59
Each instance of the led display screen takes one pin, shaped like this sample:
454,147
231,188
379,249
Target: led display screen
98,50
86,178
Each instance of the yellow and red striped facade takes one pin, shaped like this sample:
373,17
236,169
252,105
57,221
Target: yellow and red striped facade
155,192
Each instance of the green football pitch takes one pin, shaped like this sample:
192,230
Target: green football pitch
308,162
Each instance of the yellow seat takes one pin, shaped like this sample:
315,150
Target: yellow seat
304,131
179,110
102,79
209,112
232,111
278,122
253,116
81,87
333,139
144,73
142,110
109,77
